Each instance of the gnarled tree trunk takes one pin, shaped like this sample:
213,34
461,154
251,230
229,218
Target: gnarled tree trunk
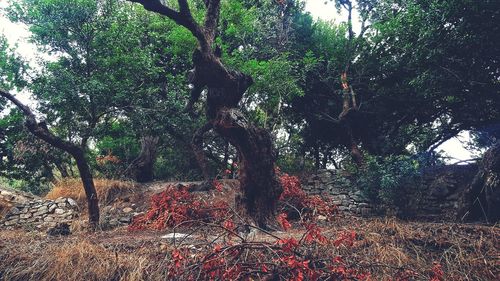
141,168
259,184
482,199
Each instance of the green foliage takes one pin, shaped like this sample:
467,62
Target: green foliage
11,66
422,71
390,179
26,162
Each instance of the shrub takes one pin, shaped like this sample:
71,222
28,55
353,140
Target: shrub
391,180
175,206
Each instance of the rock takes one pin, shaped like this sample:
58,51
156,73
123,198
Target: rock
321,218
62,205
59,230
127,210
40,213
440,192
49,218
175,236
13,211
52,208
59,211
125,220
11,222
60,200
72,203
25,216
113,223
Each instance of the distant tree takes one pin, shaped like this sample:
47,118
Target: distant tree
422,72
98,75
28,159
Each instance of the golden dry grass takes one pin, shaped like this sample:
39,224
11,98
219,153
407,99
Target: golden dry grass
34,257
384,247
107,190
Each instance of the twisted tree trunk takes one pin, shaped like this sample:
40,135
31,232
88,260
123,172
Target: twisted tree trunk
141,168
259,184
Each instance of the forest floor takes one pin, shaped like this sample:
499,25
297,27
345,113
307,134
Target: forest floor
343,247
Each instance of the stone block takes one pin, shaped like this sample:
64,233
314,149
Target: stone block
25,216
40,213
52,208
72,203
14,211
11,222
48,219
62,205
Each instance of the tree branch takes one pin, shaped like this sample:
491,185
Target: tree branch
40,129
182,17
212,19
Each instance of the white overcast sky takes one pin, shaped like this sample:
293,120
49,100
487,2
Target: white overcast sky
18,34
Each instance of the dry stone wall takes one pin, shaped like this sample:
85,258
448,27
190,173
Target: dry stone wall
441,189
435,198
341,190
29,211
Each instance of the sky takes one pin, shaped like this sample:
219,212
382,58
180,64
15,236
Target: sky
17,34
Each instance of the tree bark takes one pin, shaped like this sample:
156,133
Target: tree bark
349,109
141,168
62,170
481,201
197,146
316,156
88,186
40,130
259,184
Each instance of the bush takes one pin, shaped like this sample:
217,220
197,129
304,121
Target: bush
390,180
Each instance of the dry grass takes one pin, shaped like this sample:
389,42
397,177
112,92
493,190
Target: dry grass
34,257
4,208
466,252
384,247
107,190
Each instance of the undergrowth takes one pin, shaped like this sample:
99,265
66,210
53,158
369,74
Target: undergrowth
317,243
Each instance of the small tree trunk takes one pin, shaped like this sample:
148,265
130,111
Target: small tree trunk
88,186
40,130
62,170
356,154
324,163
141,168
317,158
482,199
226,159
199,153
